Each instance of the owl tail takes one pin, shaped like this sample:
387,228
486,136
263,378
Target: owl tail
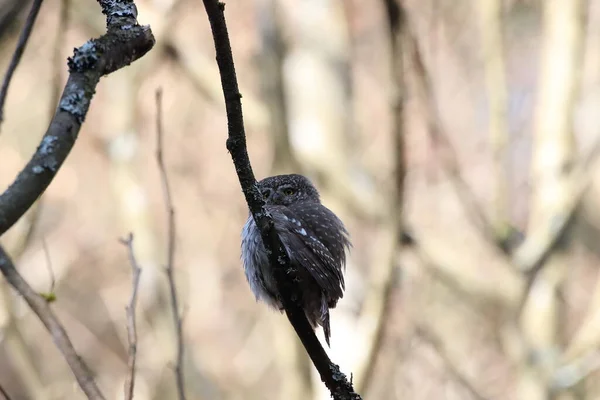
326,327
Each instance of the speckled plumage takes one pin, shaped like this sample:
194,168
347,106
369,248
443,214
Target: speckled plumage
315,240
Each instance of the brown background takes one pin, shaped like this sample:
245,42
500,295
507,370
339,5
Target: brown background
448,303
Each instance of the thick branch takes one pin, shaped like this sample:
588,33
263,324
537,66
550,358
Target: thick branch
124,42
284,272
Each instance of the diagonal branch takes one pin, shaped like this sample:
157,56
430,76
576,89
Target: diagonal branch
285,273
40,306
4,393
124,42
16,58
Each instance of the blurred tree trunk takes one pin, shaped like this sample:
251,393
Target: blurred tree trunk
493,47
553,159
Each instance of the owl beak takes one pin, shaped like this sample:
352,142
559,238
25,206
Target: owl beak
276,198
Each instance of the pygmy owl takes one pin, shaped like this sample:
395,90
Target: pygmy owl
315,241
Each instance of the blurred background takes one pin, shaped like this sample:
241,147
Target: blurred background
457,139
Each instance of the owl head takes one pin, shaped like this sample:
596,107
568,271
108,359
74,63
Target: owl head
284,190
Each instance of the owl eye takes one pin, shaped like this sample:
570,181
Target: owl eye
288,191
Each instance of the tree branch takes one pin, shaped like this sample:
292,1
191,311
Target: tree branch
40,306
284,272
4,393
16,58
377,305
124,42
180,383
136,271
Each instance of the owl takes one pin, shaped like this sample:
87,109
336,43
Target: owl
315,241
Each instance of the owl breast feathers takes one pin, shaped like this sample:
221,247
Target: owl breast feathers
315,241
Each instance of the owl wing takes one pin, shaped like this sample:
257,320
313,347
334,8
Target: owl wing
318,239
328,229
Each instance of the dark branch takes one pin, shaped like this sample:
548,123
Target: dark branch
284,272
124,42
16,58
42,309
179,376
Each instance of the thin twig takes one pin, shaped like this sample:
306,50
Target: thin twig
16,58
4,393
57,57
49,266
131,319
284,271
179,375
41,308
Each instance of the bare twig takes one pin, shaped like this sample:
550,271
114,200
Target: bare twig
4,393
98,57
285,273
50,296
19,353
131,319
16,58
179,375
40,306
61,29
